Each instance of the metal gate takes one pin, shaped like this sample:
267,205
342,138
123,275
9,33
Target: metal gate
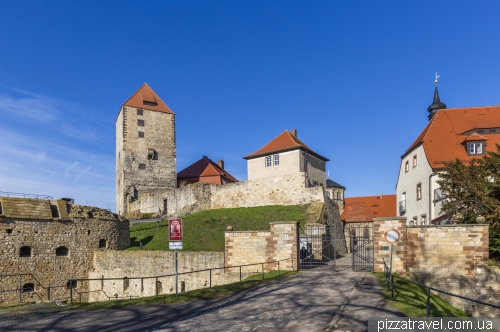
360,238
322,247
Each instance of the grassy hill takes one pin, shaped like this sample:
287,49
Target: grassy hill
204,231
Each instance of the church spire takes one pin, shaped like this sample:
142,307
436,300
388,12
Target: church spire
436,103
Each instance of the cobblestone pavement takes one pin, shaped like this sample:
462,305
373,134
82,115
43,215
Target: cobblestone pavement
307,302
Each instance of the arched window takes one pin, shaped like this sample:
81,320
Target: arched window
102,243
62,251
25,251
28,288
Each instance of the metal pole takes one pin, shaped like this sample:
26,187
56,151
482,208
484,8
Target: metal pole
71,291
140,245
392,287
20,288
240,273
428,312
262,271
279,273
48,293
176,276
334,248
390,269
292,265
156,286
210,278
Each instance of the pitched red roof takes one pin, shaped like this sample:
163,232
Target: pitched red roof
146,98
205,168
285,141
364,209
443,136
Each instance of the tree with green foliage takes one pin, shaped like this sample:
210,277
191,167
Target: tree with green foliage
474,191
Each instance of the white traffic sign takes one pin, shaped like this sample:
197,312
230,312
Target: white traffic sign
392,235
177,245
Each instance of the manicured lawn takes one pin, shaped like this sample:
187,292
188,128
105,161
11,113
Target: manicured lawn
411,299
204,231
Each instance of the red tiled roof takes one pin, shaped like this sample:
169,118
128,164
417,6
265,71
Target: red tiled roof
444,135
204,168
146,94
285,141
363,209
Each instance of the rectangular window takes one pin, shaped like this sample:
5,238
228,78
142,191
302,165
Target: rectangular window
151,154
142,166
268,161
472,148
419,191
415,161
276,159
140,123
407,166
479,148
140,112
141,134
338,195
424,219
149,103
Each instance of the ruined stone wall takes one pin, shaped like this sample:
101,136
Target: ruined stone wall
137,172
81,230
280,243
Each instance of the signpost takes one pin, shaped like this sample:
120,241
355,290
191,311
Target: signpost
392,236
175,243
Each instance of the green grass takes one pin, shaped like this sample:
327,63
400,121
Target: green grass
204,231
412,300
199,294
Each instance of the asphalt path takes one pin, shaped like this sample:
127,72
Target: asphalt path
309,301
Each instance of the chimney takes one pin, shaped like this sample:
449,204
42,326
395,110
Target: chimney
381,196
220,163
294,132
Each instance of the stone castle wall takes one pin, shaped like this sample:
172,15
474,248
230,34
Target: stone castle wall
81,230
280,190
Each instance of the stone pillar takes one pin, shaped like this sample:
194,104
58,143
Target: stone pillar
284,241
399,260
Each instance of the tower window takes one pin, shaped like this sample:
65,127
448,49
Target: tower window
25,251
142,166
28,288
141,134
149,103
140,123
152,155
62,251
102,243
140,112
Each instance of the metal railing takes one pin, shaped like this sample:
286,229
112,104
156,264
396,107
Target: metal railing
402,207
73,291
35,196
389,280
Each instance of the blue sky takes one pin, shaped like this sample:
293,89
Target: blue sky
354,78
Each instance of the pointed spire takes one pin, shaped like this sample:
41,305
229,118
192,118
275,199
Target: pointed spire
436,103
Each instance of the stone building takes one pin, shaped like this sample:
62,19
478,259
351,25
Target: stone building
145,148
287,154
50,242
452,133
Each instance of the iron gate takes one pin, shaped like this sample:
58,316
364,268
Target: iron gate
360,238
322,247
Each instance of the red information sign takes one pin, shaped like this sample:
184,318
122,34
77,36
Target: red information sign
175,230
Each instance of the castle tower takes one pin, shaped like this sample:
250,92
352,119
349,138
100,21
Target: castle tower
145,149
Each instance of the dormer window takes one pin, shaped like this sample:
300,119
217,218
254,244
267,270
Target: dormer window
149,103
475,148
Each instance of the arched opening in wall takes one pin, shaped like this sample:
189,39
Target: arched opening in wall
102,243
62,251
25,251
28,288
126,283
71,284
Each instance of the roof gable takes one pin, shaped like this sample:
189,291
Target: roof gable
204,167
444,135
146,98
285,141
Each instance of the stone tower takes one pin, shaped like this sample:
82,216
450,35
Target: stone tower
145,149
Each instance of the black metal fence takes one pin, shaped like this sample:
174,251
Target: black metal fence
76,290
389,281
23,195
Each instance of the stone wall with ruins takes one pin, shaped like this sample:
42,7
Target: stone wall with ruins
280,190
52,242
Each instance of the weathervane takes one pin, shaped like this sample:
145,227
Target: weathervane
436,80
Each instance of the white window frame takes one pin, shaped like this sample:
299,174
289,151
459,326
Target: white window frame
479,148
472,148
268,161
276,159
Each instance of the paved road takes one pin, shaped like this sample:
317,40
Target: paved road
305,302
